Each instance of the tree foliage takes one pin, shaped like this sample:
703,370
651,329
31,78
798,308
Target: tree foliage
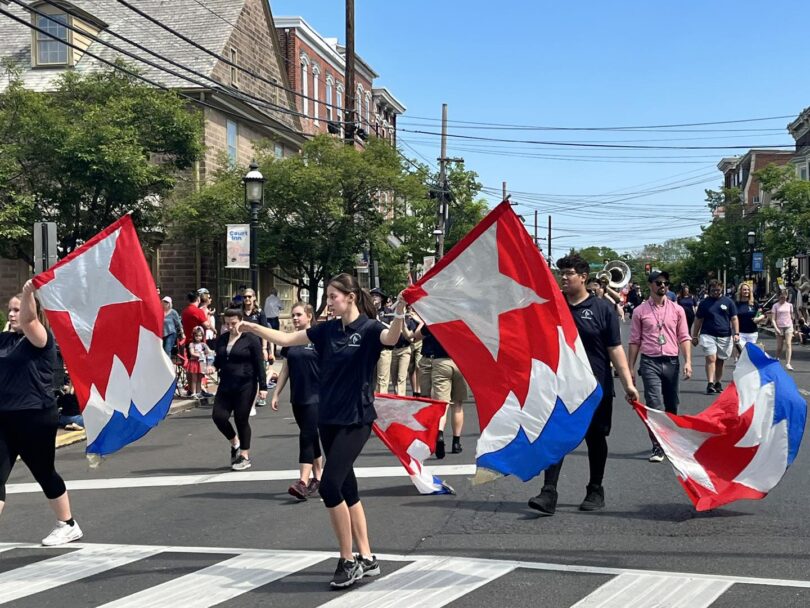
97,147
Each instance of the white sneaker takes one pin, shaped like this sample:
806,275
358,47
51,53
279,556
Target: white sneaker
789,367
62,533
242,463
253,411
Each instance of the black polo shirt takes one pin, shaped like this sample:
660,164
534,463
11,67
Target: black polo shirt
348,362
403,341
26,373
302,365
431,347
598,326
716,314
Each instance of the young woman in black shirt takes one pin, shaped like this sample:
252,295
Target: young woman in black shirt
348,350
240,361
28,414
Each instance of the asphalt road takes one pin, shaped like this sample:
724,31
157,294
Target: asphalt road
167,523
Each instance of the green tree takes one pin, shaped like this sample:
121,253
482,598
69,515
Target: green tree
97,147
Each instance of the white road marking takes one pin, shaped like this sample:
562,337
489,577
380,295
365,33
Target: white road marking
68,568
229,477
641,591
425,583
804,392
220,582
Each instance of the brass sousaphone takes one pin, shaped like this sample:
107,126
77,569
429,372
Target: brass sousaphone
616,273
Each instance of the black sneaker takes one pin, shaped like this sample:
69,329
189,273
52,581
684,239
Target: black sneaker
710,388
456,447
657,455
235,452
370,565
440,449
546,501
718,388
347,574
241,463
594,498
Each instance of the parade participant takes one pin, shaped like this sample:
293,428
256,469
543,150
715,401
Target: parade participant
634,298
601,289
716,329
748,317
172,326
251,313
348,349
783,318
658,332
241,368
689,304
197,355
301,368
599,331
401,356
28,414
441,379
384,364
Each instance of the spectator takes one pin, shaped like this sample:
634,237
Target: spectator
197,357
272,308
688,303
172,327
783,318
193,316
70,417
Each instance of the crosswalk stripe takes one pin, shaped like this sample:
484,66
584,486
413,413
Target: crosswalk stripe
67,568
425,584
220,582
640,591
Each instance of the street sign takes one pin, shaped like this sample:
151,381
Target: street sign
758,262
44,246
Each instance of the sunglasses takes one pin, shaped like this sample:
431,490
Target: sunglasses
662,283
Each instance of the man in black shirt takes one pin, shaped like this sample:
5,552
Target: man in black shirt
384,363
598,327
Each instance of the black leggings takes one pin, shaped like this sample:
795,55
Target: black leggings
31,435
237,402
309,443
597,459
342,445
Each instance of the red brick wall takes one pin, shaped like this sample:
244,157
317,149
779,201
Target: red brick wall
13,273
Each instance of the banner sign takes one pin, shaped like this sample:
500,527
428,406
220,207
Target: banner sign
758,262
238,246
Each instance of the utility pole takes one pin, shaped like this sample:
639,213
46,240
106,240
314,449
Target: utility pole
504,192
548,246
536,240
441,212
349,125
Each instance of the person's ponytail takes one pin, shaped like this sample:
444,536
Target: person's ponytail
365,303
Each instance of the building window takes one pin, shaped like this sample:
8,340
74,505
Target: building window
339,104
368,110
803,172
330,111
316,93
51,47
278,151
234,69
232,138
305,84
358,105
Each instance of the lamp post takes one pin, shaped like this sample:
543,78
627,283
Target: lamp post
752,238
254,197
725,266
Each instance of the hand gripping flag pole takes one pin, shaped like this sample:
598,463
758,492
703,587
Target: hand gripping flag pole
107,319
741,445
494,305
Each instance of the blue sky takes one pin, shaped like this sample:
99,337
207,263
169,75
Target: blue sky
587,64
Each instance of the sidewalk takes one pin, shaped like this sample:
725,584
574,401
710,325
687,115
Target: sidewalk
179,404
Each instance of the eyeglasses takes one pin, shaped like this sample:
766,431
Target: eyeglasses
662,283
569,273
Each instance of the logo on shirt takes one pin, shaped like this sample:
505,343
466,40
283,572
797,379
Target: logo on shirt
354,340
309,346
586,314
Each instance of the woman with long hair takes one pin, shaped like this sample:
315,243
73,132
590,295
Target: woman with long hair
783,318
348,349
301,368
28,413
748,316
241,369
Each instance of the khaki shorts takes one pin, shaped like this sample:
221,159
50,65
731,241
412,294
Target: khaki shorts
716,345
447,383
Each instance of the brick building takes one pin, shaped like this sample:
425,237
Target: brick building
241,31
738,172
316,67
799,129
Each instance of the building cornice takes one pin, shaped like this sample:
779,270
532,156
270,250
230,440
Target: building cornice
388,98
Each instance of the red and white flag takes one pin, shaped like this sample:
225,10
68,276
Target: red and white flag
742,444
409,427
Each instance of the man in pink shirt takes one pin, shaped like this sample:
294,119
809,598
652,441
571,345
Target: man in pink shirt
659,332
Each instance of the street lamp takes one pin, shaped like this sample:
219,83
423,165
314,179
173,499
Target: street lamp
752,238
254,197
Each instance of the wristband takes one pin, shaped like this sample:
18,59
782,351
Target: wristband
399,316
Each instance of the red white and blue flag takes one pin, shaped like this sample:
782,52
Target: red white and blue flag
103,307
409,427
494,305
742,444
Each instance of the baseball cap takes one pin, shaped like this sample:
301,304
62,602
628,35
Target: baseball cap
379,292
202,290
167,299
655,275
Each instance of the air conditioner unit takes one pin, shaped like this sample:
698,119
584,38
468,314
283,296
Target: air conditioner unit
756,200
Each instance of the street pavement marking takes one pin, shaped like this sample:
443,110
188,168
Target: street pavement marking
426,583
229,477
641,591
67,568
220,582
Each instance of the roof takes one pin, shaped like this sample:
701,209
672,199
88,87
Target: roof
185,16
388,98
